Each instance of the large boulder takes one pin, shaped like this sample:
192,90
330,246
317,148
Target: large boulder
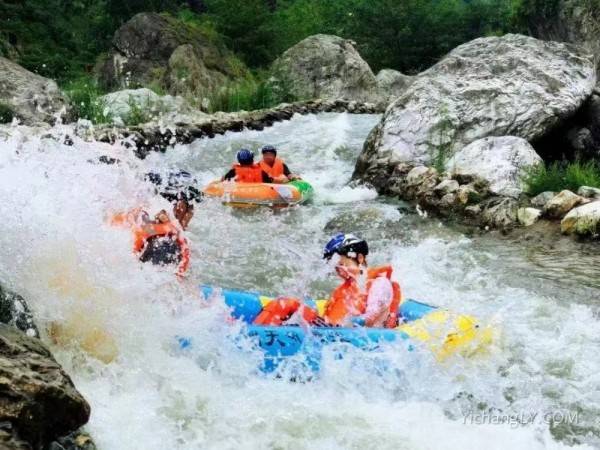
572,21
135,106
326,67
502,161
392,83
496,86
154,49
28,97
39,402
583,220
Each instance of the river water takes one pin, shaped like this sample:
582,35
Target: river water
537,387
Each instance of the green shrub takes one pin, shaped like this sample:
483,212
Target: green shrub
562,175
247,94
84,94
6,113
137,113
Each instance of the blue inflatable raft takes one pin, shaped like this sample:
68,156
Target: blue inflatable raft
443,332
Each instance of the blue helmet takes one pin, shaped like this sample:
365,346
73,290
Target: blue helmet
269,149
245,157
347,245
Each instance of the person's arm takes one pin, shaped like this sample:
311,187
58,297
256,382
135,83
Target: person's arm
288,173
378,302
266,178
229,175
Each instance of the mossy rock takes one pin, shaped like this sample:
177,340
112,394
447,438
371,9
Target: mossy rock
6,113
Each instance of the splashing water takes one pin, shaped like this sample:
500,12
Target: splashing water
94,298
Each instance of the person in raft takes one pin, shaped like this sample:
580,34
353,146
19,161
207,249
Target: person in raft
365,297
275,167
246,171
159,240
180,190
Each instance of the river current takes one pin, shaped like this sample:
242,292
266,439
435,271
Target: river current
538,386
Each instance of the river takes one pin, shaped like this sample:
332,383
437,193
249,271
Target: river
537,387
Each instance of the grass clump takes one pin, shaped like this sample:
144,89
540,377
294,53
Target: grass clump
248,95
559,176
85,94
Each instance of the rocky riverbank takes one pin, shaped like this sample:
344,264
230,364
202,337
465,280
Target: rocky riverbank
156,136
40,407
481,117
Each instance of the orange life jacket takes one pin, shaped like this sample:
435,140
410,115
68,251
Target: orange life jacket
273,171
143,232
248,174
347,299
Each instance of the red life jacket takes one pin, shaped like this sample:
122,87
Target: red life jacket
347,299
273,171
248,174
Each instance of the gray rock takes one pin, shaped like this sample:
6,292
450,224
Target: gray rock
448,200
15,312
583,220
467,193
528,216
496,86
501,161
147,106
39,399
446,187
31,98
588,192
327,67
79,440
581,140
392,83
188,74
500,212
573,21
155,49
540,200
418,174
562,203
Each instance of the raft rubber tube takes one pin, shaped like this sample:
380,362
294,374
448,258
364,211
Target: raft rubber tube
267,194
442,331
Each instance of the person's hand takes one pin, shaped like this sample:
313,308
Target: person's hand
294,177
281,179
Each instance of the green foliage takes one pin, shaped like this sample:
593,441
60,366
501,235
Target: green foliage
137,113
56,38
6,113
84,94
407,35
445,131
247,94
562,175
62,39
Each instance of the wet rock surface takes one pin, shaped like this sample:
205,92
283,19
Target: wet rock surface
29,97
38,398
155,136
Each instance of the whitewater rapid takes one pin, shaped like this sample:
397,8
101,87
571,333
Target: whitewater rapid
77,272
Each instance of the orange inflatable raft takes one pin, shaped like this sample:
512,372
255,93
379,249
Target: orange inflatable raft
268,194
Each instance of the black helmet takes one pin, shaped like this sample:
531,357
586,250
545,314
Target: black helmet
346,245
269,149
